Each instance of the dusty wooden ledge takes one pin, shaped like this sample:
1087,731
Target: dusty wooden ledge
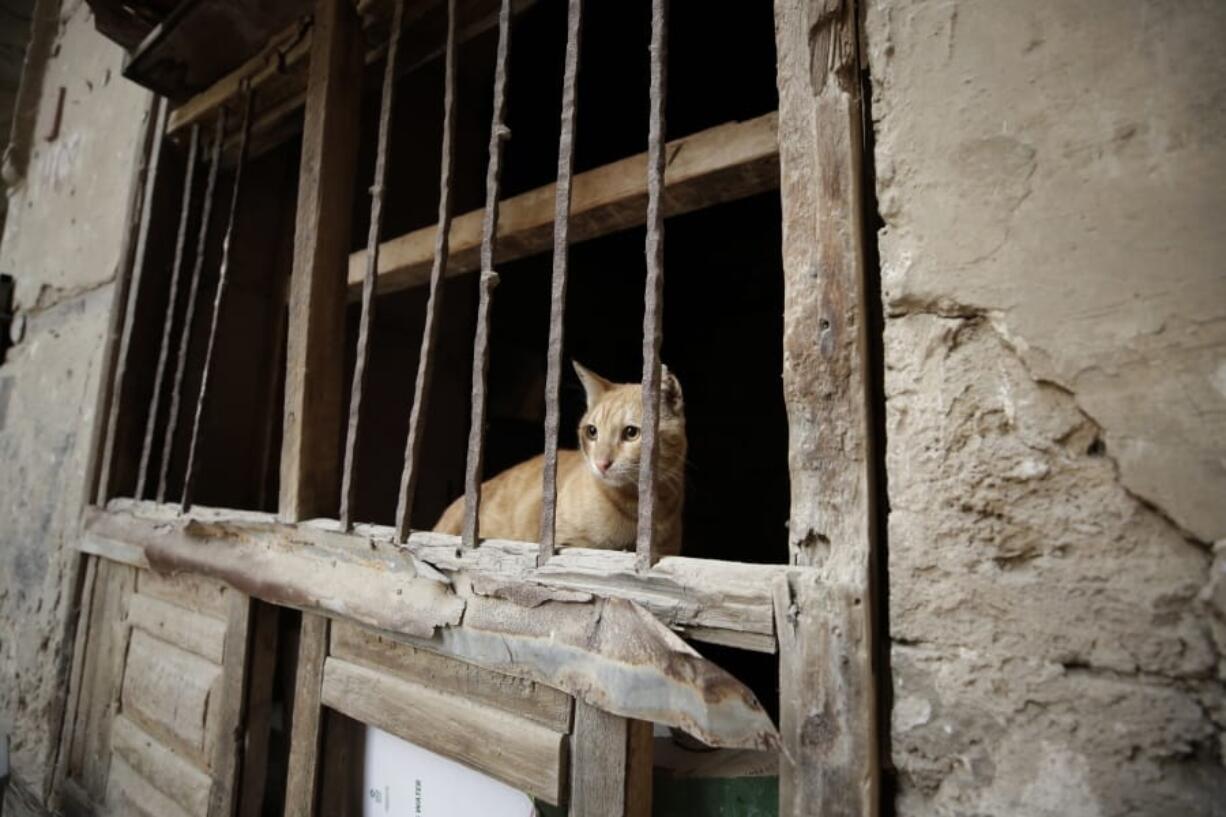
717,602
564,625
710,167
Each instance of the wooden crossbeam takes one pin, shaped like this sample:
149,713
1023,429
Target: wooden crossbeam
279,71
717,165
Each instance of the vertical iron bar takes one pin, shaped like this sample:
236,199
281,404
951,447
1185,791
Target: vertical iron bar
442,246
193,156
189,476
172,420
489,280
152,170
557,302
348,485
653,310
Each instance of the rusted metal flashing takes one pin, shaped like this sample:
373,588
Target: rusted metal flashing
610,652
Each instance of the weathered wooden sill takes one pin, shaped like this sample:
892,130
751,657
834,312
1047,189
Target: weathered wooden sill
568,623
726,603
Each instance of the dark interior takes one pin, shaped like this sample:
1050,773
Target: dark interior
723,291
722,304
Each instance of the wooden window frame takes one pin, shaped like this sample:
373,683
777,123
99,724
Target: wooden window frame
816,611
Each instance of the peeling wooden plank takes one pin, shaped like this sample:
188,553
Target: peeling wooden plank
196,593
131,795
615,656
168,691
181,781
708,600
610,652
518,751
721,164
113,550
291,568
200,634
545,705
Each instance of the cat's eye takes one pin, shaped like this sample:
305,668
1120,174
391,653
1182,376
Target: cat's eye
630,433
590,431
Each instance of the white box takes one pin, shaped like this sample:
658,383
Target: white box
404,780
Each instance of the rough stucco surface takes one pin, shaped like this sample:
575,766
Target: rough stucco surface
1052,182
62,243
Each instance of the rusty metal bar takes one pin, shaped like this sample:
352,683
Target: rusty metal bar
151,168
557,301
369,282
193,156
653,308
489,279
425,362
172,420
189,476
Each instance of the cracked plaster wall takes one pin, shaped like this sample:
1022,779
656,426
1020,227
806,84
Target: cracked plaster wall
1052,180
62,243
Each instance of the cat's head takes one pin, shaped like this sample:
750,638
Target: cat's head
610,433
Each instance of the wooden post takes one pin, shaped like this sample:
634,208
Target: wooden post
303,777
228,747
823,612
262,674
314,360
314,376
610,773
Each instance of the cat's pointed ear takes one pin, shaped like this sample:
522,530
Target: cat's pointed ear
593,384
670,391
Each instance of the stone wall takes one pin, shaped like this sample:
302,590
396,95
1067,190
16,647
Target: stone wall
1052,177
62,243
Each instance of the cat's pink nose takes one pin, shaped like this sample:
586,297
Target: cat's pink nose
603,465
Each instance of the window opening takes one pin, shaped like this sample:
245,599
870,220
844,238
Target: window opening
604,283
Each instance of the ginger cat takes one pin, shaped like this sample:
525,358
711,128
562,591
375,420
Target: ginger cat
598,486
